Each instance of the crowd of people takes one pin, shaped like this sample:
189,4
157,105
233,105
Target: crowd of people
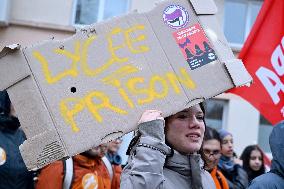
175,152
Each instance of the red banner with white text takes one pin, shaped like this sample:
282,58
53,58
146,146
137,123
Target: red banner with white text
263,56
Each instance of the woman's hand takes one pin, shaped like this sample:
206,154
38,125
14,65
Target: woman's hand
150,115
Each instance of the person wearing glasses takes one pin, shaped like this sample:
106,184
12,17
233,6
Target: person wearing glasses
211,153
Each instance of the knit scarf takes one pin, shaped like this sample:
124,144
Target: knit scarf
226,164
114,158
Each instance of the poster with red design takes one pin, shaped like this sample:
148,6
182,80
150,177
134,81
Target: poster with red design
195,46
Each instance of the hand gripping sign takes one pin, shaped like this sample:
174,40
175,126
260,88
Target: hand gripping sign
74,94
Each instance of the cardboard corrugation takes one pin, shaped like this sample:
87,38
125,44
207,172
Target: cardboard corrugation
42,149
82,79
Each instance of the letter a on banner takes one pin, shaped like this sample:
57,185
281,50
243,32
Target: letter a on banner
263,56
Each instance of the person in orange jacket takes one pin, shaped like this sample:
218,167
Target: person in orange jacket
84,171
211,153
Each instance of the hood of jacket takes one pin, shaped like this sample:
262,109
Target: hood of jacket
4,103
276,142
7,122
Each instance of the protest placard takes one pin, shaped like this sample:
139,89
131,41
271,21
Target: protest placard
74,94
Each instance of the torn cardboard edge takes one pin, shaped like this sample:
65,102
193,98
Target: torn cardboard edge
9,49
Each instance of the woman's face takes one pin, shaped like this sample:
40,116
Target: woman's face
98,151
185,130
255,161
114,145
227,146
212,153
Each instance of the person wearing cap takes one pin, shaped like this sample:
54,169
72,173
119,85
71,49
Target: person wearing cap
274,178
164,153
13,171
230,166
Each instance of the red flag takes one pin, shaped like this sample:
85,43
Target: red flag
263,56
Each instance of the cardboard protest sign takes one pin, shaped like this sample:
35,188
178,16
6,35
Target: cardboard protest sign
74,94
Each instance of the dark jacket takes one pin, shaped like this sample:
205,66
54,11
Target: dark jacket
236,176
13,172
275,178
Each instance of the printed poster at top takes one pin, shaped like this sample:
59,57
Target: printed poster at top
195,46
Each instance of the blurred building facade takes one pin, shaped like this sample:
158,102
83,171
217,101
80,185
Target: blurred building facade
27,22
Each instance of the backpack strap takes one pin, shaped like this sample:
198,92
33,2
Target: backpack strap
108,166
68,173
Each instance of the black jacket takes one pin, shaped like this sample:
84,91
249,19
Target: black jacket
236,176
13,172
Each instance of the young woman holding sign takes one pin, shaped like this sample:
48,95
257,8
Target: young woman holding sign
165,152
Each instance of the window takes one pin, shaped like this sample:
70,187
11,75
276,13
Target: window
91,11
239,17
215,113
265,128
4,12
